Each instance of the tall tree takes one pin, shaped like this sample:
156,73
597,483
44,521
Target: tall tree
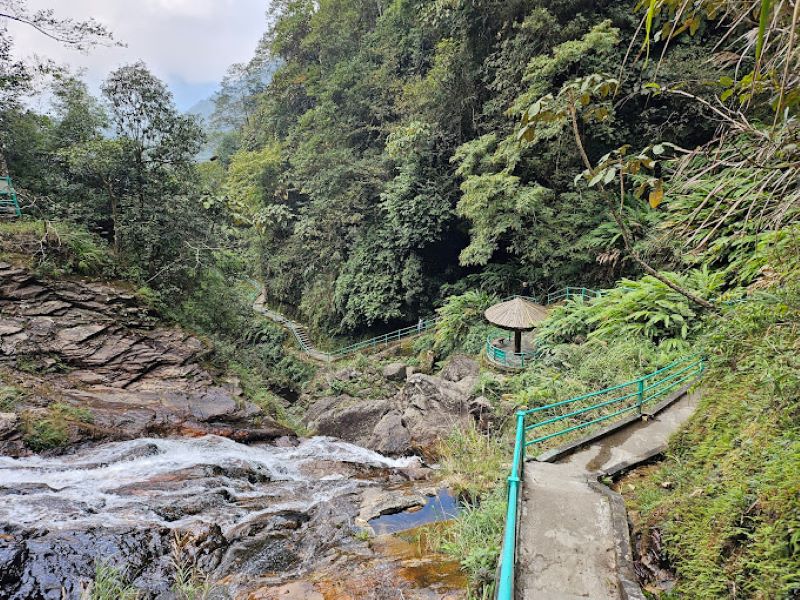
16,74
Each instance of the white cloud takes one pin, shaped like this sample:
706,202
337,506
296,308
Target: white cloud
182,41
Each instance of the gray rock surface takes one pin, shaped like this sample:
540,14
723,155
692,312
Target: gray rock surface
412,420
94,346
395,372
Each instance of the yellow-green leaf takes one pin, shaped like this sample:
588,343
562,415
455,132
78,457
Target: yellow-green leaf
657,194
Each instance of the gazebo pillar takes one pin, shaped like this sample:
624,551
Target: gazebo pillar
517,341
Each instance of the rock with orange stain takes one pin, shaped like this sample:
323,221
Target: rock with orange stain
298,590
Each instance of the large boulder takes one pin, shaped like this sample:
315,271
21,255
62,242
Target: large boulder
347,418
395,372
460,367
424,410
431,409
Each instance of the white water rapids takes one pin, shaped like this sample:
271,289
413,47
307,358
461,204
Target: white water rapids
209,479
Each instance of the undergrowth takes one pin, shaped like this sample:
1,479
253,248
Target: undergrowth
51,430
10,396
58,248
110,583
474,466
730,520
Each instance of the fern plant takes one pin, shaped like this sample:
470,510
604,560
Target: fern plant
645,308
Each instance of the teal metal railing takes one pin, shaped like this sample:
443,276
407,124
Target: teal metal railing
387,338
569,293
8,196
509,359
543,423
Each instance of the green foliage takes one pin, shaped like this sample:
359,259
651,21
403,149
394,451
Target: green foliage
399,162
569,370
252,188
472,462
254,348
473,465
51,430
190,583
474,539
643,309
109,584
729,520
461,321
71,249
497,205
10,397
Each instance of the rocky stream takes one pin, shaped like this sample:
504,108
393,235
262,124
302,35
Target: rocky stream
164,465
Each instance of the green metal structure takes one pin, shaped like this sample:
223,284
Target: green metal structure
8,196
507,359
542,423
570,293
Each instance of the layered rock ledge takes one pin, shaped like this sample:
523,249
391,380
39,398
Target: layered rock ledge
93,346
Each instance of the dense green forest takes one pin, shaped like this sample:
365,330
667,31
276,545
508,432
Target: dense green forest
409,156
380,170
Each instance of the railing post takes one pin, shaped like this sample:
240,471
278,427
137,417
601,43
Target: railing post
505,581
640,395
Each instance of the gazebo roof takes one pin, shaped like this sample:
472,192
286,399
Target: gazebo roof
516,314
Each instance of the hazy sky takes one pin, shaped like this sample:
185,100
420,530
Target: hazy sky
187,43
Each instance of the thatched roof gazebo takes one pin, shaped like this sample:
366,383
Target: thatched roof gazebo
517,315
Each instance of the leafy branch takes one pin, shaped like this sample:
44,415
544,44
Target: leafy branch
581,95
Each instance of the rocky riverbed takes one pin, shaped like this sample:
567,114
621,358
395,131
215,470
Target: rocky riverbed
161,463
254,517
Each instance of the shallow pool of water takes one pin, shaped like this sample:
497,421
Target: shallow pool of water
441,507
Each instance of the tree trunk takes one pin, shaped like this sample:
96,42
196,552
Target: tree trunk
114,216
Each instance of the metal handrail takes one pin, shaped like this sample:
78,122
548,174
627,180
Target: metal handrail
506,358
645,389
388,338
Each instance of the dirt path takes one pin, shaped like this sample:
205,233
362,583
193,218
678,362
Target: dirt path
568,545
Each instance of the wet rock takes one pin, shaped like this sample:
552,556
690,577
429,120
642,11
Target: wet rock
395,372
52,565
298,590
377,502
347,418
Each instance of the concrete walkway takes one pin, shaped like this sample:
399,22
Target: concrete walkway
573,536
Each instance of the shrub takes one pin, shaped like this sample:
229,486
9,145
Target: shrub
9,397
71,249
644,308
461,322
52,430
472,462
